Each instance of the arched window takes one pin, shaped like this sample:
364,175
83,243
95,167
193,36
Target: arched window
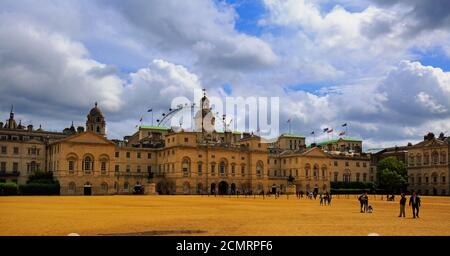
307,169
233,169
103,167
418,159
185,166
324,171
213,169
199,169
426,159
222,168
88,164
316,172
71,166
443,157
435,157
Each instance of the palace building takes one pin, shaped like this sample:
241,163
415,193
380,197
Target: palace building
201,161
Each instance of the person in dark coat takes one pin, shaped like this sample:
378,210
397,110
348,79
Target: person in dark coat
402,205
414,202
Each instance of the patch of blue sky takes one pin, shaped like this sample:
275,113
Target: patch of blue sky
249,12
435,57
317,88
228,89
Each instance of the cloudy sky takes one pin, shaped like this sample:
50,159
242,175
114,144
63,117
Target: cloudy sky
381,66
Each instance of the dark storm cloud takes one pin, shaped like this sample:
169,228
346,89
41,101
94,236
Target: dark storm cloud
421,15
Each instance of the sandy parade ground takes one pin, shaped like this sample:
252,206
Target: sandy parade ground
224,215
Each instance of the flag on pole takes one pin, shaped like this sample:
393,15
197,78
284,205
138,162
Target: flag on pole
325,130
289,120
150,110
344,125
341,133
312,132
330,131
140,120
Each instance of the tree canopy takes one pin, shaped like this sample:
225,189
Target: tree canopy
392,174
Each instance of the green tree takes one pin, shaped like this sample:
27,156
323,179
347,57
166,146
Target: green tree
392,174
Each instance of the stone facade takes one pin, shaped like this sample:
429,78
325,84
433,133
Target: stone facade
428,166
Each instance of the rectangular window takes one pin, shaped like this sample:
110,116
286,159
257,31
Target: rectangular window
15,167
4,151
357,164
128,168
213,169
364,164
186,140
149,168
128,155
117,168
149,155
3,166
199,169
242,170
346,164
364,177
335,163
138,168
16,150
117,154
335,177
139,155
233,170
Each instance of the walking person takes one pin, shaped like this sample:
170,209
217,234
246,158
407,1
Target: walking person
402,205
329,198
366,202
361,202
321,199
414,201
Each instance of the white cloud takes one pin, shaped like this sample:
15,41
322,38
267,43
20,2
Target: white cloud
41,67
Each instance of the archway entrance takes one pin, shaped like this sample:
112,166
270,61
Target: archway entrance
213,188
223,188
233,188
274,189
87,189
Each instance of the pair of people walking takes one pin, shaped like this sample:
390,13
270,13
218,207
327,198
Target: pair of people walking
364,202
414,202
